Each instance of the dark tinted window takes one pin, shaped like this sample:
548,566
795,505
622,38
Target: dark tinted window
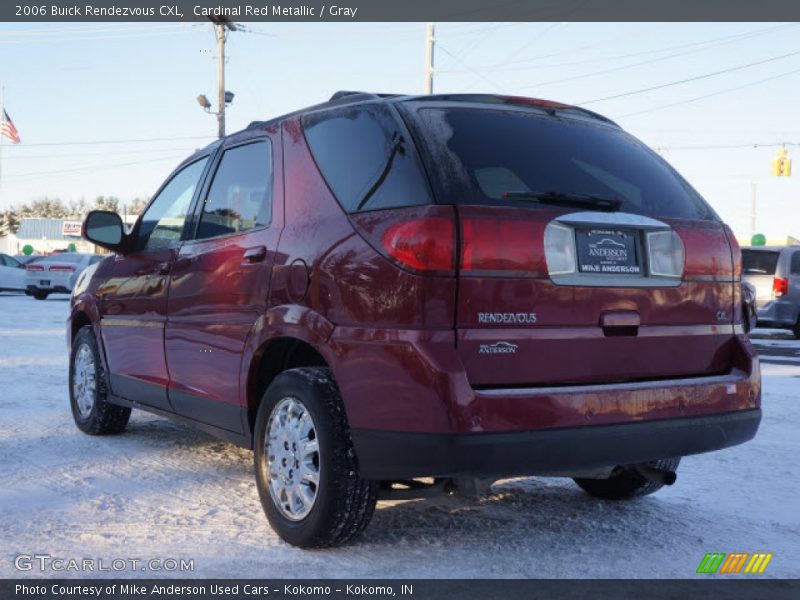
162,223
483,156
240,196
759,262
366,158
795,266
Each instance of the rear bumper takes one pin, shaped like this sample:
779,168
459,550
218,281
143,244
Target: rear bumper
778,313
396,455
54,289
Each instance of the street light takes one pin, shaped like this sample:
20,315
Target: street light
203,101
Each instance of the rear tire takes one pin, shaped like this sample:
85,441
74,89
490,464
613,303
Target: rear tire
625,483
306,468
88,390
40,295
796,328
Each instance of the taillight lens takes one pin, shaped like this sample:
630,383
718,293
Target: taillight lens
559,249
666,254
423,244
34,268
60,268
780,287
499,245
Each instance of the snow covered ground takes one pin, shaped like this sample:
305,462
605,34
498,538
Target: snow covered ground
163,490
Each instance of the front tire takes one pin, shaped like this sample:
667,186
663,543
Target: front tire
40,295
306,468
88,391
626,483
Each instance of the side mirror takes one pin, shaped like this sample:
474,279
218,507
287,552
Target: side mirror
105,229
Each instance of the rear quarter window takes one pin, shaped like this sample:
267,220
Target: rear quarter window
366,157
795,265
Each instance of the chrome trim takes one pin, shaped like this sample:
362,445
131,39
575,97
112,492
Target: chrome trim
732,377
616,218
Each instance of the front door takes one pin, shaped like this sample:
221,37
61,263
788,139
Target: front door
220,282
133,301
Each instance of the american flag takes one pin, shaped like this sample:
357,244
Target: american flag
7,128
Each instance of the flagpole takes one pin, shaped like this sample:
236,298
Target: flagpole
2,118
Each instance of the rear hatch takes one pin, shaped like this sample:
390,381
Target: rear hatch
758,267
582,256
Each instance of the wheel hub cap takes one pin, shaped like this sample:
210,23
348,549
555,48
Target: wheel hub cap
84,380
293,459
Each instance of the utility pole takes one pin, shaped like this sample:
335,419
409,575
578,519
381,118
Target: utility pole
429,43
220,27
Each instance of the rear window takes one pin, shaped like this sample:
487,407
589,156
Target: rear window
488,155
366,157
759,262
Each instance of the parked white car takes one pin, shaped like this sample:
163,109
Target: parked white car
12,274
56,274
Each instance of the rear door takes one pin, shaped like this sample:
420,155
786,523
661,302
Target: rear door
583,256
759,267
220,282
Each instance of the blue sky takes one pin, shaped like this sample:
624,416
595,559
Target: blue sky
69,83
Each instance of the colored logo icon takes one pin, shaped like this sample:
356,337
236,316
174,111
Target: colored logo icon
741,562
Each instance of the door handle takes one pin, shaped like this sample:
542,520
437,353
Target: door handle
255,254
163,268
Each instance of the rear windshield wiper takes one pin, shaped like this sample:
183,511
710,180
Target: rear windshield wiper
585,200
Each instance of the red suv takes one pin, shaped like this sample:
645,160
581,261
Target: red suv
387,294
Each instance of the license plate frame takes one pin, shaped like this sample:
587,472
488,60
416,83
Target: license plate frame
607,251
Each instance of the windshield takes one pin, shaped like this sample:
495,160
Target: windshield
759,262
507,157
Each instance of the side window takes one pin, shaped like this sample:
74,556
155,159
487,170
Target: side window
366,158
240,196
12,262
162,223
795,266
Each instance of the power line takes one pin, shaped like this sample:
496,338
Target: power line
705,47
690,79
135,141
462,63
84,154
24,176
704,96
710,43
729,146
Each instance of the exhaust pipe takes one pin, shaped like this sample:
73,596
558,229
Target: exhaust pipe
655,475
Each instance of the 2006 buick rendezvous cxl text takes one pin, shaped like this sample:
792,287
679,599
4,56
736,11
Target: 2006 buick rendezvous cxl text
395,295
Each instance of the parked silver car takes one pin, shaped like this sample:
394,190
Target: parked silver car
12,274
775,273
56,274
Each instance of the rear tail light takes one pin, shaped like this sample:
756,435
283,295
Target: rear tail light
423,244
489,245
34,268
419,238
559,249
665,253
780,287
61,268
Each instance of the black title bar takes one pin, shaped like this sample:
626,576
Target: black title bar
718,587
401,10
